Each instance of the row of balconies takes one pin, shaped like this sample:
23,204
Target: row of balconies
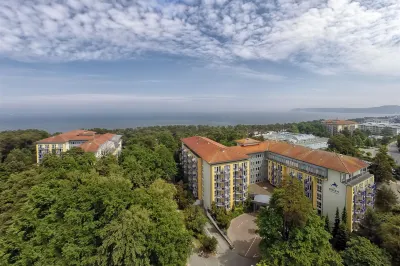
222,195
221,172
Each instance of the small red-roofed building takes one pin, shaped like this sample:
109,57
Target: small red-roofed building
88,141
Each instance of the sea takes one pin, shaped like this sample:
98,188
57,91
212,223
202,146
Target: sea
60,123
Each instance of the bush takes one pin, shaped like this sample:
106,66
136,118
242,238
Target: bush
208,244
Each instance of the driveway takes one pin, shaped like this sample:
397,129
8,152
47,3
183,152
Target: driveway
242,232
224,257
393,151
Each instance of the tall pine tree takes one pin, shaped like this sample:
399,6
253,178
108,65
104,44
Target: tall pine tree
336,224
327,224
340,239
344,215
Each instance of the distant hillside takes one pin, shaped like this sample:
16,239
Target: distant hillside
386,109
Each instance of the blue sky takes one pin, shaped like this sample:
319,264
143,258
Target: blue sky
198,55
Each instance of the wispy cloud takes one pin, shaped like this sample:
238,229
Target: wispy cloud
323,36
246,72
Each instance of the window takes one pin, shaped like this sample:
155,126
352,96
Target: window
319,196
319,205
319,189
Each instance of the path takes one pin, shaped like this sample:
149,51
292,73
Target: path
393,151
224,257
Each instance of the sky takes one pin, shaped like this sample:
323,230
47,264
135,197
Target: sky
197,55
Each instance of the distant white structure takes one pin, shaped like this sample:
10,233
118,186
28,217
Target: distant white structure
307,140
377,128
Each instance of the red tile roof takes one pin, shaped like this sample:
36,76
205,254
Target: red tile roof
78,134
339,122
94,144
247,141
330,160
211,151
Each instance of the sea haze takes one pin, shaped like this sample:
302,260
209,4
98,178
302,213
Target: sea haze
56,123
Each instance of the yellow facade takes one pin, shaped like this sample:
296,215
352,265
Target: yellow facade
287,171
50,148
351,191
231,179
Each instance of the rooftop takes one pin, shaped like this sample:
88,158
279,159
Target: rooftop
211,151
92,143
247,141
339,122
78,134
359,179
382,125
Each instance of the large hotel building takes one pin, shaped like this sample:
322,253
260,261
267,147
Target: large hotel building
221,174
88,141
335,127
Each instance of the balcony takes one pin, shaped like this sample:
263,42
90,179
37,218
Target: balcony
239,199
222,196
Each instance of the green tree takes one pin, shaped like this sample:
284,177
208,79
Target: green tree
336,223
342,236
343,144
390,235
209,244
294,129
361,251
327,224
166,162
286,242
183,196
20,139
344,215
18,160
169,239
368,142
294,206
385,199
195,219
381,167
125,239
305,246
369,226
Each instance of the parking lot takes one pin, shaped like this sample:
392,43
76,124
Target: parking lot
242,232
224,256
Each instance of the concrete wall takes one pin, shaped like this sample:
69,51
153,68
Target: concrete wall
207,181
258,167
333,196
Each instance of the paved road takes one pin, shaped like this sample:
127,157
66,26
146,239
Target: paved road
394,152
224,257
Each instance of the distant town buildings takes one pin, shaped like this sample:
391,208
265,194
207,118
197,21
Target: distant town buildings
88,141
221,174
334,127
306,140
377,128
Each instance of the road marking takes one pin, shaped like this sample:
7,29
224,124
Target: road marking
250,246
241,223
256,255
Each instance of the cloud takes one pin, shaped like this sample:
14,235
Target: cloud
326,37
245,72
